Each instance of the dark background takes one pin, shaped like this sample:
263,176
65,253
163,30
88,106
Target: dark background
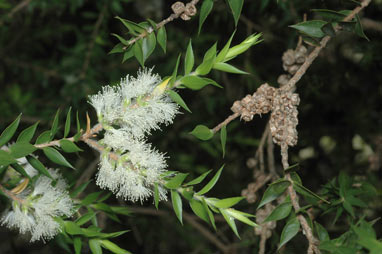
54,53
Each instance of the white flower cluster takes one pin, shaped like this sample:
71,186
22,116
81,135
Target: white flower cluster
34,210
129,166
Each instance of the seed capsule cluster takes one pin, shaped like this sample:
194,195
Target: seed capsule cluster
292,60
283,106
266,227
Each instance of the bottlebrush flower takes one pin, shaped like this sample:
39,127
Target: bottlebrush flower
34,211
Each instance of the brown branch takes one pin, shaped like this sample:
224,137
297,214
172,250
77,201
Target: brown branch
10,194
159,25
225,122
371,24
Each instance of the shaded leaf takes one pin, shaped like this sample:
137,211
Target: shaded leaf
176,97
156,195
289,231
236,6
202,132
138,53
280,212
54,128
21,149
68,146
199,179
36,164
8,133
27,134
189,59
56,157
67,123
198,208
162,38
117,49
211,183
204,12
274,191
311,28
177,204
223,138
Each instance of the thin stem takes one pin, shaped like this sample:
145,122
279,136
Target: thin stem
225,122
11,195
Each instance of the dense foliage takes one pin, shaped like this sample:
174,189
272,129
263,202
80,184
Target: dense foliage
55,54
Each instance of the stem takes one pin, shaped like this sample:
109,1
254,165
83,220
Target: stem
11,195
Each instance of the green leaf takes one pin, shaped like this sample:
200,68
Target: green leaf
311,28
113,247
228,68
202,132
328,29
129,53
228,202
95,246
138,53
199,179
176,97
195,82
72,228
79,189
69,147
121,210
198,208
211,183
236,6
78,123
148,45
243,217
208,61
21,149
6,158
274,191
177,204
280,212
222,54
117,49
175,72
9,131
20,169
176,181
321,232
306,192
36,164
204,12
77,243
156,195
56,157
102,206
230,220
348,207
85,218
358,28
162,38
27,134
67,123
134,28
223,138
90,198
289,231
330,14
250,41
189,59
210,215
44,137
54,128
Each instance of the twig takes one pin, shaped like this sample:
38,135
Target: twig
270,155
371,24
92,42
10,194
225,122
87,174
17,8
159,25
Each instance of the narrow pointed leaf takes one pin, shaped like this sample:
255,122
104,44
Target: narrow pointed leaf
236,6
79,189
27,134
195,82
176,181
210,214
36,164
199,179
241,217
20,169
67,123
21,149
6,158
138,53
228,202
56,157
134,28
43,138
228,68
9,131
230,220
289,231
204,12
77,243
311,28
175,72
114,248
211,183
176,97
69,147
223,138
95,246
189,59
54,128
222,54
208,61
198,208
306,192
280,212
117,49
148,45
202,132
162,38
156,196
177,204
274,191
